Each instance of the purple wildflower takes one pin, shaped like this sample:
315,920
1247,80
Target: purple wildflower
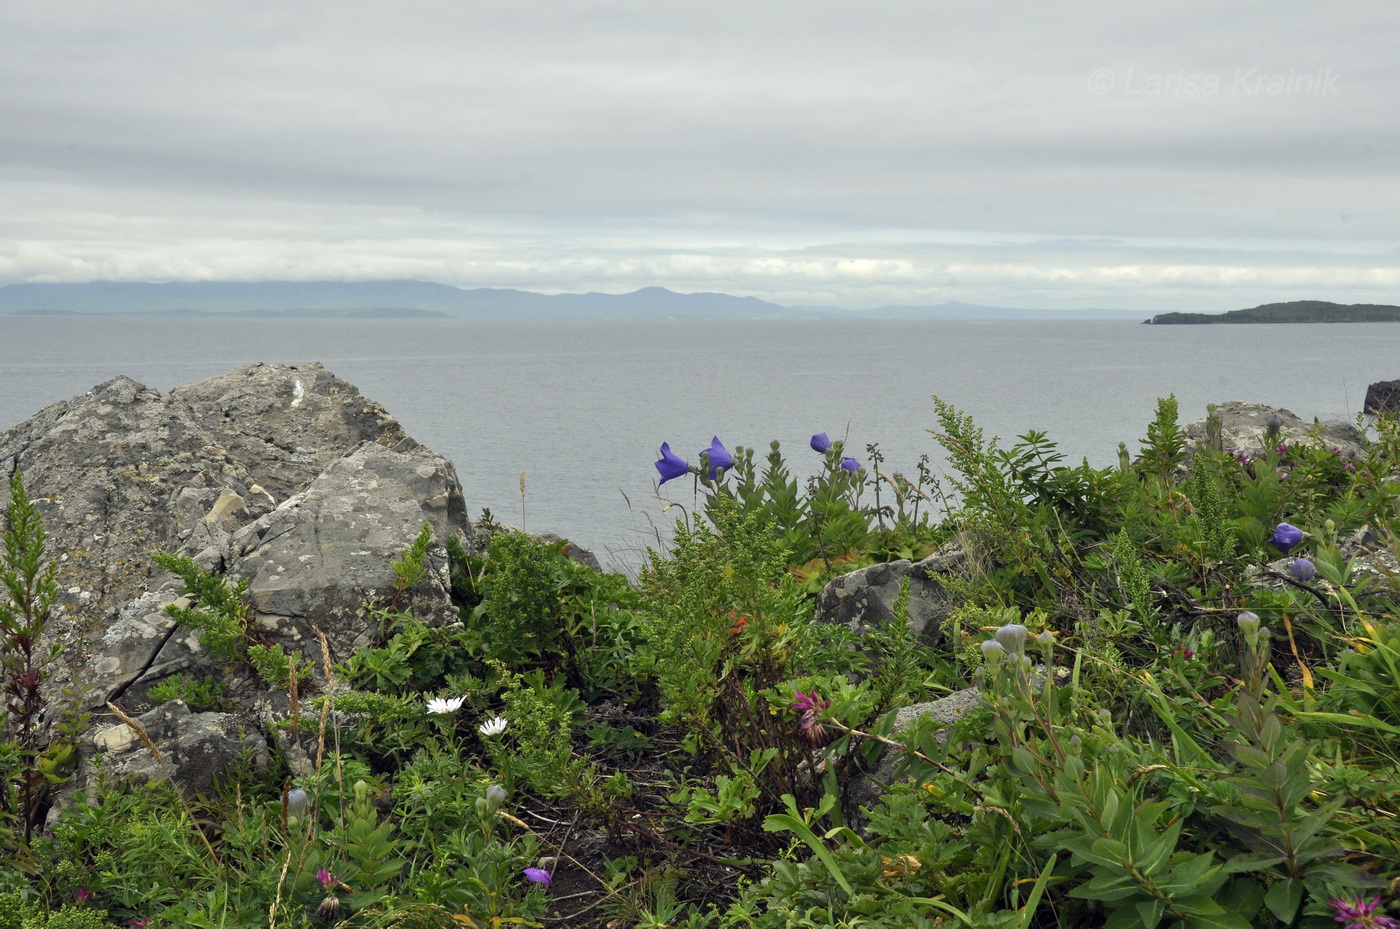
537,876
820,443
327,879
1361,914
671,465
850,464
82,896
719,459
1285,537
811,707
1303,569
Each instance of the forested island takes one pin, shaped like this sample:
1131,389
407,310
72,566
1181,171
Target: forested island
1297,311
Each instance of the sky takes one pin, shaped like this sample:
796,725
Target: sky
1198,155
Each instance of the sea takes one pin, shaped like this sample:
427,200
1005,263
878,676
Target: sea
577,410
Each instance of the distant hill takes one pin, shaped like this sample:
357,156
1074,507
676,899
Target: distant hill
410,299
1298,311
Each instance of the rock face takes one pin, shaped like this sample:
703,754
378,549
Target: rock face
1245,426
1382,397
282,476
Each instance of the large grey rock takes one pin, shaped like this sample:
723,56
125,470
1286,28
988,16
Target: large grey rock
282,476
285,425
121,472
865,599
1245,428
1382,397
323,555
196,749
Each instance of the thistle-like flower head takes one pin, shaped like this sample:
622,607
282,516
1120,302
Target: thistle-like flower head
1361,914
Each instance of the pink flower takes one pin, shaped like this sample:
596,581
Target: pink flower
327,879
537,876
1361,914
82,896
811,706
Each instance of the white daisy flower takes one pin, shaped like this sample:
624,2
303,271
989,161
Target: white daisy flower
445,705
493,726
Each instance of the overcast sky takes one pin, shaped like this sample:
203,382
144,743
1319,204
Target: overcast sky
1196,155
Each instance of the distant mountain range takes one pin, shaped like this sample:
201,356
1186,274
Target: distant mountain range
421,298
1298,311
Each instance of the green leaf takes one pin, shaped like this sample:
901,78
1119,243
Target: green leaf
1283,899
780,822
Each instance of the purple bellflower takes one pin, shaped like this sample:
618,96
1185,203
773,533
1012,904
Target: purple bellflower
850,464
820,443
671,465
719,459
1285,537
1303,569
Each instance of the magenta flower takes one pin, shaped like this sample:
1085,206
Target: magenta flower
850,464
1361,914
811,707
537,876
82,896
327,879
820,443
671,465
719,458
1285,537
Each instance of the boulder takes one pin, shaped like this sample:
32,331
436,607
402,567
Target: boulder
121,471
1244,427
865,599
284,477
194,749
1382,397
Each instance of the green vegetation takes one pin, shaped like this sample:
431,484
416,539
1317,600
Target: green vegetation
1298,311
1190,697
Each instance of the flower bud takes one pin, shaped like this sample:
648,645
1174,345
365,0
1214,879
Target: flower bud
1249,625
1303,569
993,652
296,801
1012,637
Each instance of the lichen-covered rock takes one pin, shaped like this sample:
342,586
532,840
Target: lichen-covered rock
195,749
324,554
282,476
1244,427
865,599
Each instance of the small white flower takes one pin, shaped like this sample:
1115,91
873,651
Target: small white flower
493,726
445,704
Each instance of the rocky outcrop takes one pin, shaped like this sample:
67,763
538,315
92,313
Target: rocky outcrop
1245,428
1382,397
285,477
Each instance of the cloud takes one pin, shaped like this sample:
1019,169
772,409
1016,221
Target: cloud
826,151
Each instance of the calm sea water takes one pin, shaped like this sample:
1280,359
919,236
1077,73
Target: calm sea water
581,407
